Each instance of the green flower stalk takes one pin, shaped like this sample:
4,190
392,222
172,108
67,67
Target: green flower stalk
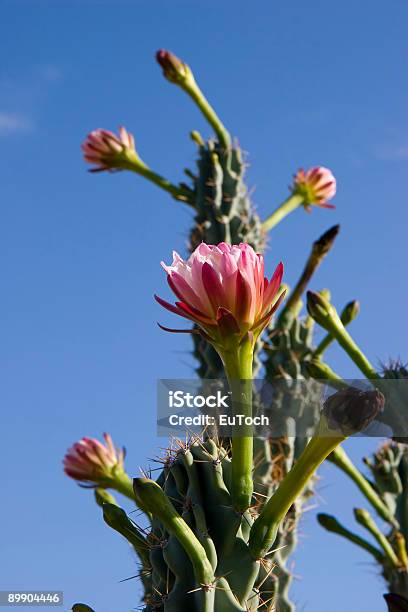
364,518
330,523
326,315
151,495
223,290
315,187
340,458
112,153
177,72
344,413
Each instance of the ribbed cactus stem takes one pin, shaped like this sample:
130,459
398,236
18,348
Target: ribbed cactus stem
330,523
264,530
238,367
289,205
364,518
319,251
340,458
156,501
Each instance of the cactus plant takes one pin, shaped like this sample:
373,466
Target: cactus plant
200,550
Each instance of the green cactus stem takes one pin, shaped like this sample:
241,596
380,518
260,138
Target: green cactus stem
117,519
340,458
330,523
364,518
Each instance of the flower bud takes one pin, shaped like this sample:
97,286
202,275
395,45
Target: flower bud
316,186
323,245
329,522
94,463
350,311
320,309
351,410
108,151
174,69
80,607
102,496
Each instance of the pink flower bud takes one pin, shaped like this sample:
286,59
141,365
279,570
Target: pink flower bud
174,69
317,186
108,151
223,290
93,462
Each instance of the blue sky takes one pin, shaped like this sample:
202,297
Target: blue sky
298,84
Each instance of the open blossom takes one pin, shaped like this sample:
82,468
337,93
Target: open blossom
223,290
106,150
91,461
317,186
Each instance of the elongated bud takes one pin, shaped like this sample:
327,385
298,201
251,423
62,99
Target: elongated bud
350,311
329,522
174,69
323,244
321,310
351,410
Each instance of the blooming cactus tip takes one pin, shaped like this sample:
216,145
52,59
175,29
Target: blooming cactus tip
222,289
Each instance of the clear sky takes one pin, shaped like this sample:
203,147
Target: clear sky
299,84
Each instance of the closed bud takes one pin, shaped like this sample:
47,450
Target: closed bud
329,522
319,308
323,245
351,410
174,70
396,602
80,607
350,311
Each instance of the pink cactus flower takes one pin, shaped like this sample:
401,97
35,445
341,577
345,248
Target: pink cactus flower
317,186
223,290
108,151
93,462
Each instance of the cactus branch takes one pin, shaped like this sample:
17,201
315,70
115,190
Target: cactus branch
330,523
340,458
265,528
364,518
319,251
118,520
